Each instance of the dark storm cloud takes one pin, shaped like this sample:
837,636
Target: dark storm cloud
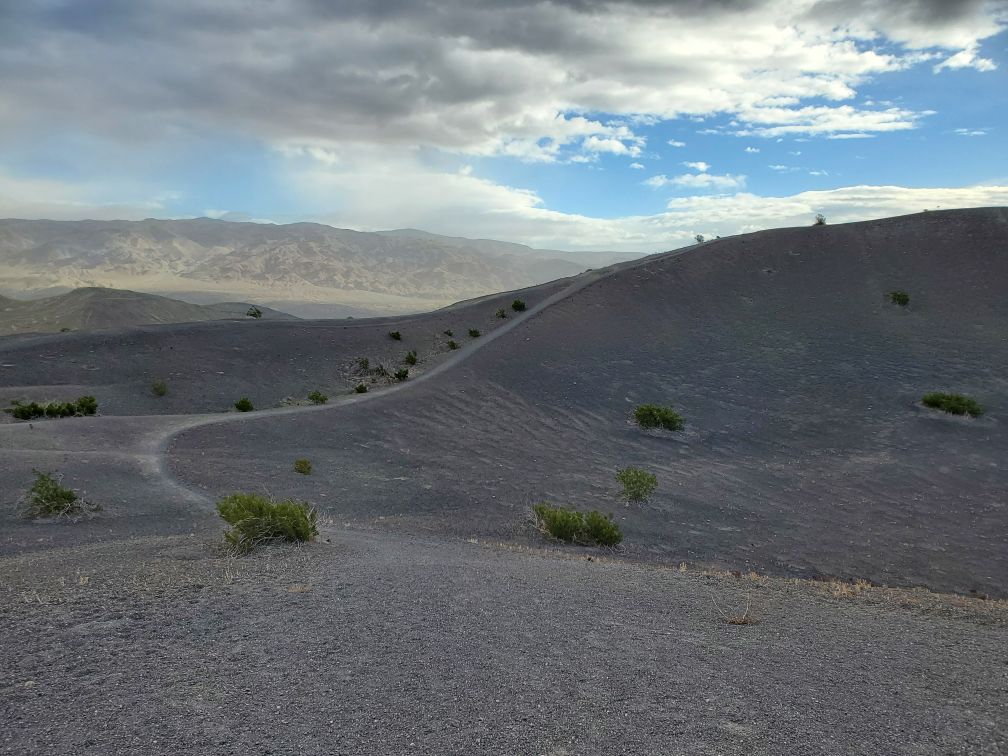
462,75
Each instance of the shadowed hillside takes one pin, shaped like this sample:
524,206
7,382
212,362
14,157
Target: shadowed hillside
806,450
94,308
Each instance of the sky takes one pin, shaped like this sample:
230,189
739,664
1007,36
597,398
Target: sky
576,124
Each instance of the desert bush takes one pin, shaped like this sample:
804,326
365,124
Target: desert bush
900,298
84,405
254,312
410,358
380,371
48,498
699,238
244,405
402,374
501,313
601,529
256,519
361,388
449,333
638,485
518,305
363,365
159,388
395,335
302,466
452,344
317,397
820,220
474,333
566,524
655,416
954,404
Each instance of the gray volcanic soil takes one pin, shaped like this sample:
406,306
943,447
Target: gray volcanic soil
806,451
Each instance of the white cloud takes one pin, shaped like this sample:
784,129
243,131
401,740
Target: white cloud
966,59
971,132
698,166
637,166
697,181
612,145
782,168
752,150
675,143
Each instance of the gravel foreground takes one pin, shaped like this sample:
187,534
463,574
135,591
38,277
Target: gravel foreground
369,642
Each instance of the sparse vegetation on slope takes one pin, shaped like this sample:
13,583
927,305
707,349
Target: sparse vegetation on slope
566,524
360,388
395,335
954,404
254,312
257,520
452,344
159,388
820,220
85,405
410,358
244,405
899,297
302,466
47,497
317,397
518,305
638,485
502,313
654,416
474,333
402,374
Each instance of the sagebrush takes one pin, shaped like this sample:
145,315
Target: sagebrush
84,405
244,405
47,497
256,520
954,404
638,485
567,524
655,416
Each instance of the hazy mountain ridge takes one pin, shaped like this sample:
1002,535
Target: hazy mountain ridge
90,308
300,261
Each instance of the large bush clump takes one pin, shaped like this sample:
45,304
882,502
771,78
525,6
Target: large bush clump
654,416
85,405
566,524
256,520
954,404
638,485
48,498
244,405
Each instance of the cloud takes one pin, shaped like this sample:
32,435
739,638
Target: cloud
476,78
675,143
971,132
752,150
698,166
637,166
697,181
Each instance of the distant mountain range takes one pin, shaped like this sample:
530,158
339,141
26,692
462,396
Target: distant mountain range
113,308
328,271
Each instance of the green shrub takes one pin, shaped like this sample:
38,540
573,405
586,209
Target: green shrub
474,333
85,405
302,466
518,305
395,335
410,358
363,365
570,525
254,312
452,344
48,498
900,298
449,334
361,388
255,519
601,529
655,416
402,374
317,397
501,313
244,405
159,388
381,371
955,404
638,485
820,220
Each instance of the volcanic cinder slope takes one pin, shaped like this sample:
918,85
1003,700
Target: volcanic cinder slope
806,453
